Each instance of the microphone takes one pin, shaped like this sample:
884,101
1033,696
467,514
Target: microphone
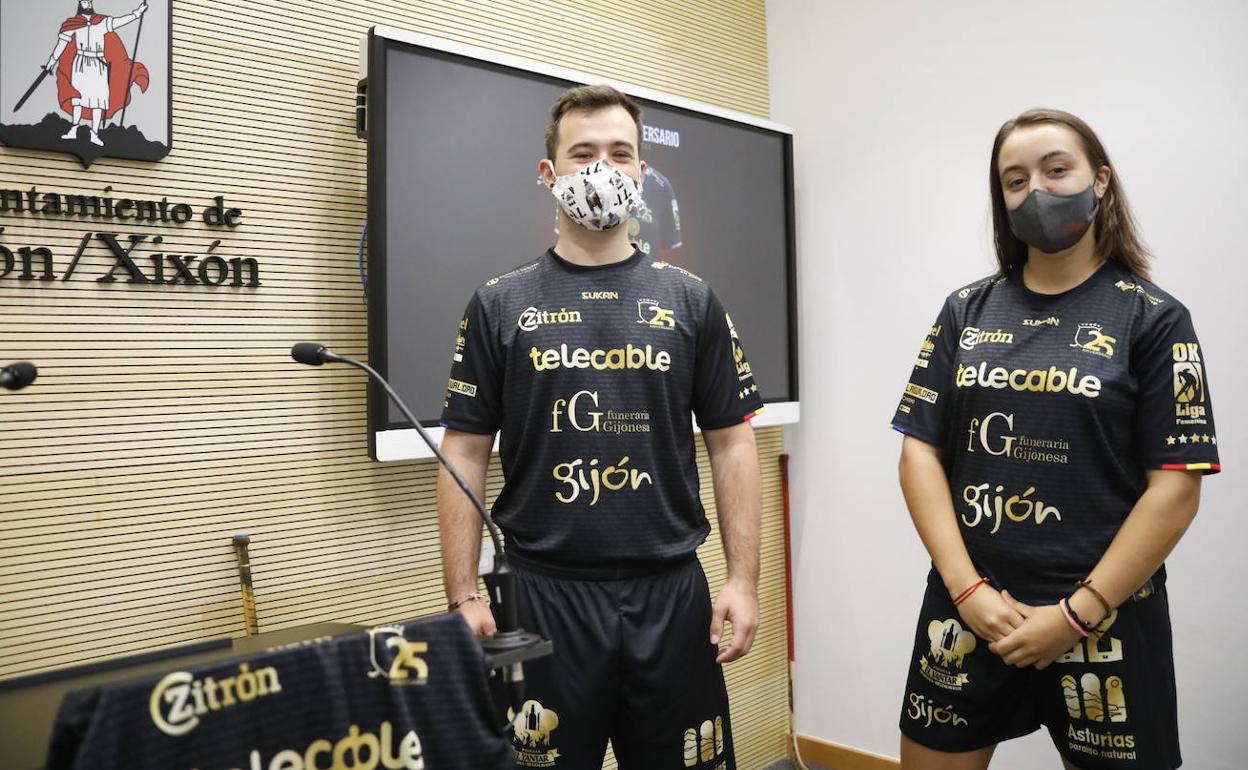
313,354
19,375
511,645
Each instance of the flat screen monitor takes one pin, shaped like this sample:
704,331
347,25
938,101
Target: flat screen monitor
455,134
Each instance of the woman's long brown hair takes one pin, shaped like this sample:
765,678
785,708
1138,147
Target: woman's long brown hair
1115,230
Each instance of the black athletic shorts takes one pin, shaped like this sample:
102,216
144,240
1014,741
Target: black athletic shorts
1109,704
633,663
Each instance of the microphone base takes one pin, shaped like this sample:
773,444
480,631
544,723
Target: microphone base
508,647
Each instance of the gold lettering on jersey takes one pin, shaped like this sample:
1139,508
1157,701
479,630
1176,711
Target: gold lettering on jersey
1189,384
1053,380
1097,744
461,340
518,271
994,505
600,295
1138,289
744,372
627,357
1091,339
463,388
1097,648
580,476
649,313
677,268
927,347
922,393
583,419
923,710
531,318
972,337
995,436
179,700
1091,699
357,750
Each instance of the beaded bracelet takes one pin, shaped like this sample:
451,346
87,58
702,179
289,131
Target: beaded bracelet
970,590
475,596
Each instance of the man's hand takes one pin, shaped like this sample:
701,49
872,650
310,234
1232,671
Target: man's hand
479,618
738,604
1043,637
142,9
51,65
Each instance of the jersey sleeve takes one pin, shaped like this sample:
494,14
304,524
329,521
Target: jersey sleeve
1174,416
924,411
474,391
724,390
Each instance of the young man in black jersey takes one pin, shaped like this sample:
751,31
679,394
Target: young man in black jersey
591,362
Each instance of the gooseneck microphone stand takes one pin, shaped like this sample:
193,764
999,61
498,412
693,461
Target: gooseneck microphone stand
511,645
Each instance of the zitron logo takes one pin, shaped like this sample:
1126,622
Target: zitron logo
179,700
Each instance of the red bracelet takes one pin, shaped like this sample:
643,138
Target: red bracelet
1070,618
970,590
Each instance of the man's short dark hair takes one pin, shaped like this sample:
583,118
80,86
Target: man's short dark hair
588,98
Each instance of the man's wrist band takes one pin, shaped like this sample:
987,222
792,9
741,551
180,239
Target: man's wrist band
475,596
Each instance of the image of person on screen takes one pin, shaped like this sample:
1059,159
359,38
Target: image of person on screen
655,229
591,363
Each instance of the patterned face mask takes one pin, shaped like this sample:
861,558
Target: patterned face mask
598,197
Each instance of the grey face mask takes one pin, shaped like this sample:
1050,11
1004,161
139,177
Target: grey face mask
1053,223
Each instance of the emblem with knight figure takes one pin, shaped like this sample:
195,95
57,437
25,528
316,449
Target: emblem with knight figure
86,77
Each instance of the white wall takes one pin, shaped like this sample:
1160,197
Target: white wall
895,105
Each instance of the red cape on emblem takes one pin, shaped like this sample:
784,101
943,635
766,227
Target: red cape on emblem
119,70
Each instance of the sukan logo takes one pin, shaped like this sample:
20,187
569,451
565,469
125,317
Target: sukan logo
90,78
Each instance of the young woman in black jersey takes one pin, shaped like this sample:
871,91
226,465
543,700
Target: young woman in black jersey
1057,425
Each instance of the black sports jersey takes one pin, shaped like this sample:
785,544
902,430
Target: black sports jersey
411,696
1049,409
592,374
656,226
